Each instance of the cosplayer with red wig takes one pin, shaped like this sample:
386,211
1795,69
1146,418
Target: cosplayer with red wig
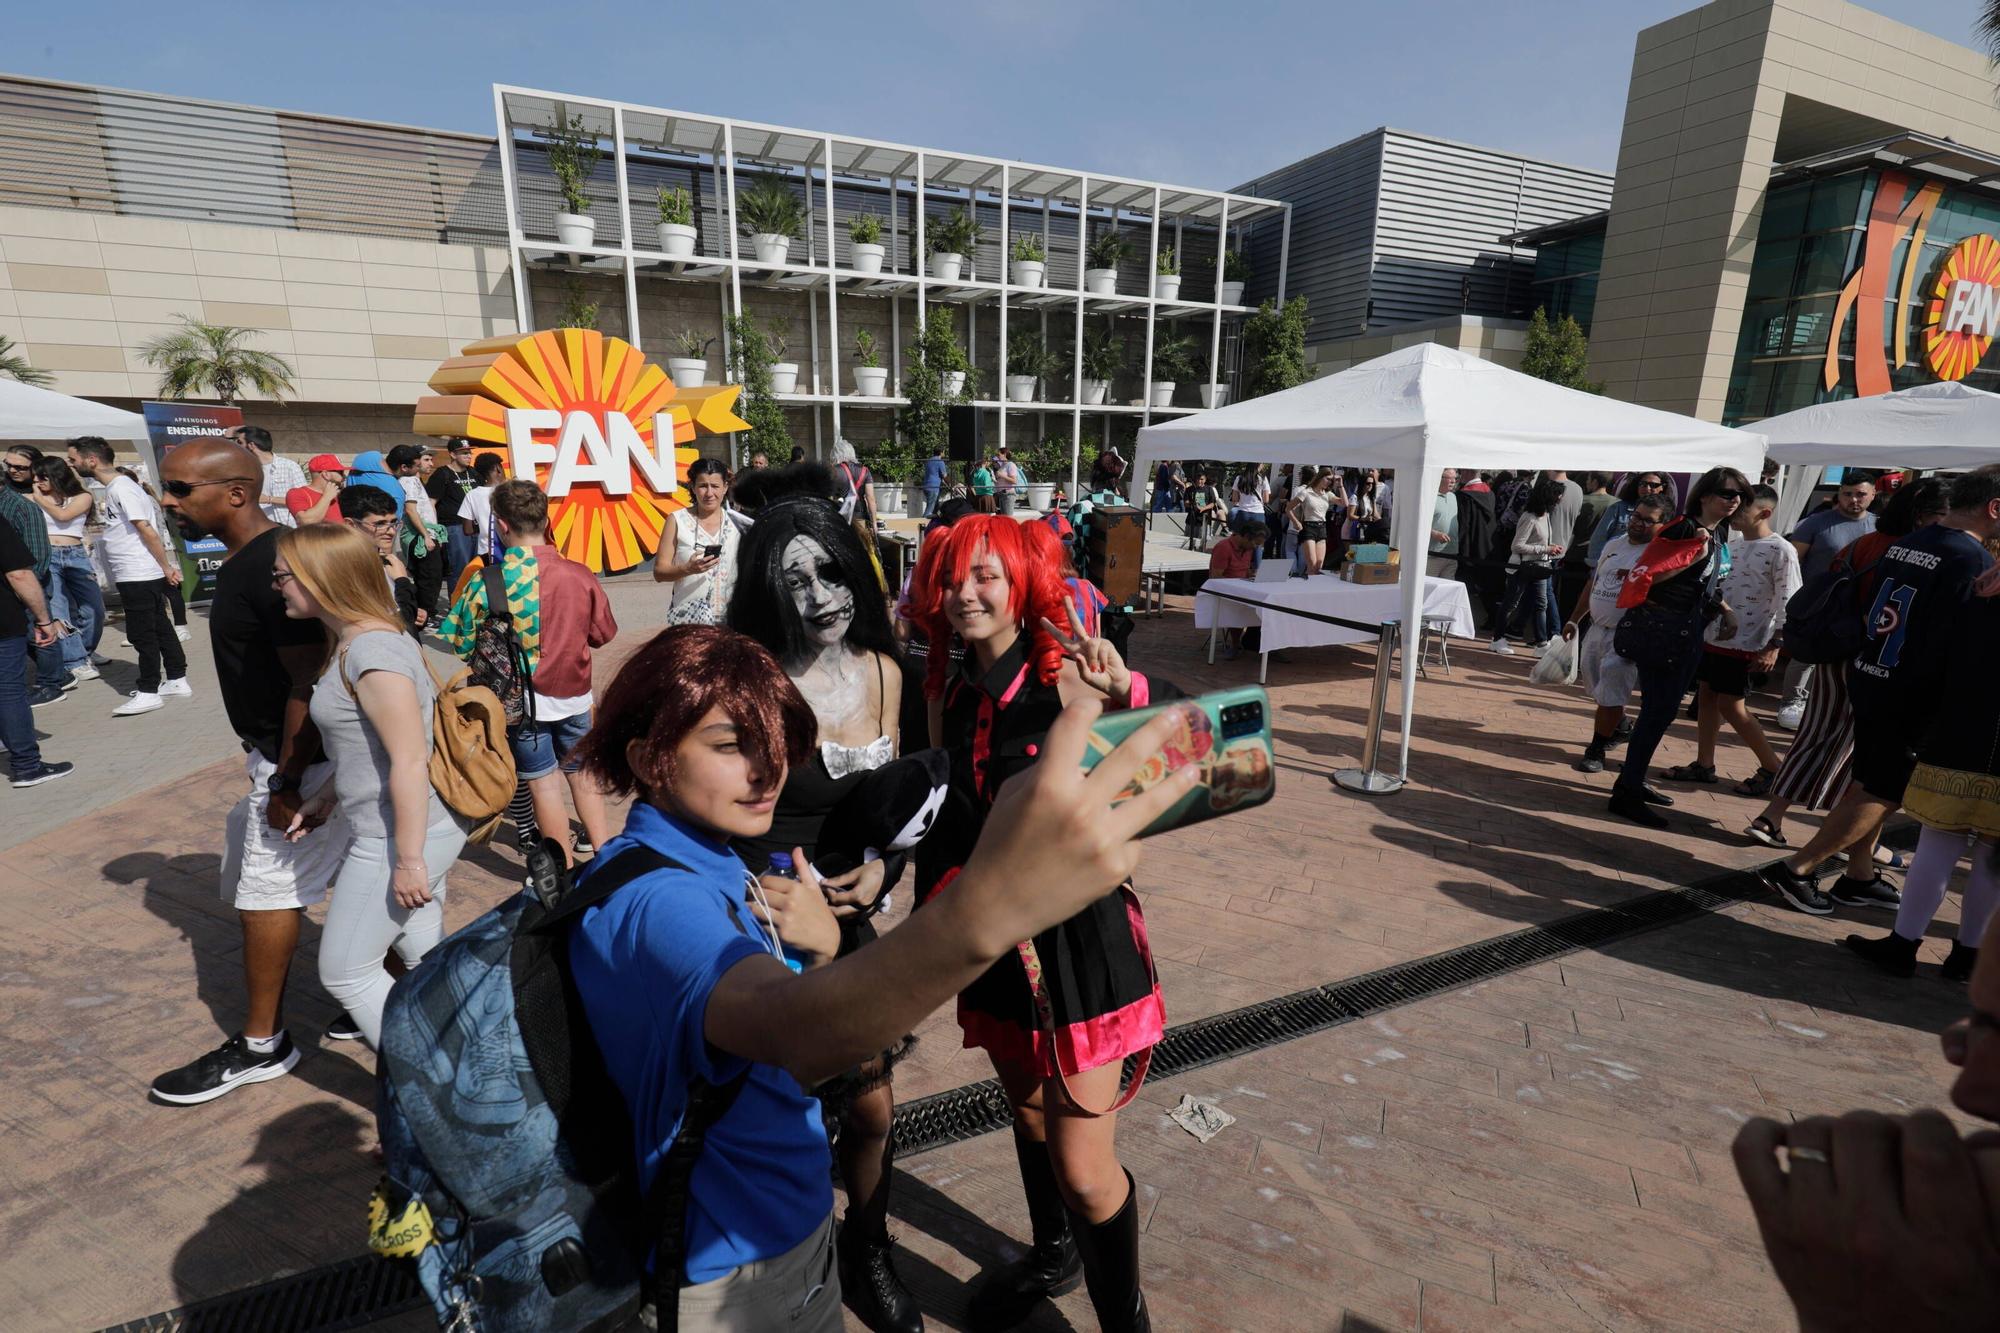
682,972
1060,1013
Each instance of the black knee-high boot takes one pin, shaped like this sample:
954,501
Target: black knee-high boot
1110,1252
1052,1268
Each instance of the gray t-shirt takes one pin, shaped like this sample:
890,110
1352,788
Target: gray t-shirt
1562,518
360,763
1825,535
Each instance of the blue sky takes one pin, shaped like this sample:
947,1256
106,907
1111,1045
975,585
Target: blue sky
1207,93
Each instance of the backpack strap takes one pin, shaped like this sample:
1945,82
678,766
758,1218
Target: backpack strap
666,1202
601,882
496,592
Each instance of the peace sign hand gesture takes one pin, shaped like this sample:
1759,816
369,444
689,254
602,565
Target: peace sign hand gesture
1097,663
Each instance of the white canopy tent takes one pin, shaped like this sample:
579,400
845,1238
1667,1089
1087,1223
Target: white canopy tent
1425,408
28,413
1944,425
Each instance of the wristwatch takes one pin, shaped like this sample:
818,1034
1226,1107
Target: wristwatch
278,782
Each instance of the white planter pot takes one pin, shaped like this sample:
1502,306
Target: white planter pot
1167,286
1020,388
1101,281
575,229
889,498
870,381
868,258
1214,395
945,267
770,246
952,383
784,377
687,372
1163,393
676,240
913,501
1028,272
1094,391
1232,293
1041,495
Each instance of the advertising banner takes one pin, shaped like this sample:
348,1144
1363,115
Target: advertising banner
168,426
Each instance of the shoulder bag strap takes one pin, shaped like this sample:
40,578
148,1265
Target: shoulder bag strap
1031,963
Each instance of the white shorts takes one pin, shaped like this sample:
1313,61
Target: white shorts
261,872
1612,680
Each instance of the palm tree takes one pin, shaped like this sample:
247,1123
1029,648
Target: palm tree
14,366
211,359
1988,26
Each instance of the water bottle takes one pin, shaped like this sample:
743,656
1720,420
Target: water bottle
781,867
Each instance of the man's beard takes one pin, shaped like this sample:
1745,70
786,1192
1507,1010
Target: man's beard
190,529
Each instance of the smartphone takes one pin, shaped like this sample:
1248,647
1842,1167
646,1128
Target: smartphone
712,552
1227,732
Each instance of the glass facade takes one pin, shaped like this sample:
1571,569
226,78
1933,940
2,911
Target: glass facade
1565,281
1808,245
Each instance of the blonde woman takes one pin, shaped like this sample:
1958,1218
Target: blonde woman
372,706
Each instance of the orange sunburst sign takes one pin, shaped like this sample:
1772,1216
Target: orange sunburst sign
1963,314
590,420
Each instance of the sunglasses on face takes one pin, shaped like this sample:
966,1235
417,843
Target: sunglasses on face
181,490
1652,485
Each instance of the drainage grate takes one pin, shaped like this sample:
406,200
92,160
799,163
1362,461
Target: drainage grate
980,1108
360,1291
349,1294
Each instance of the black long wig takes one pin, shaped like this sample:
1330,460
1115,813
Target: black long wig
792,503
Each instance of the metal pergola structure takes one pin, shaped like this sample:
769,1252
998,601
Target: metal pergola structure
1027,196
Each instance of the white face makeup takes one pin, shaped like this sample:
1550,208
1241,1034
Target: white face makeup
825,604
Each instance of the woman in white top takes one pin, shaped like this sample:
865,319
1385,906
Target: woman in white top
700,558
74,596
1310,506
1247,495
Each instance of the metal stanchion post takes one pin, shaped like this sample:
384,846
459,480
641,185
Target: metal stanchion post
1367,779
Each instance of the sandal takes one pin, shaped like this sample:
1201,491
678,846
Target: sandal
1757,784
1891,859
1764,831
1701,773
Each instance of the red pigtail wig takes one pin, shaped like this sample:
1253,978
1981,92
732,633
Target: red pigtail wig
1034,561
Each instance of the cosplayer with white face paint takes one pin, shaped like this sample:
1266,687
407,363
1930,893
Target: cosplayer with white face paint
806,590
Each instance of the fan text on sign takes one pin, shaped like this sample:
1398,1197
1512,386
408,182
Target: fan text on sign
1972,307
575,447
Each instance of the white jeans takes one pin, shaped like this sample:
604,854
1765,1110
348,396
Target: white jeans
363,920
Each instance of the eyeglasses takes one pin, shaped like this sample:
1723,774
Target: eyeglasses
181,490
280,577
376,525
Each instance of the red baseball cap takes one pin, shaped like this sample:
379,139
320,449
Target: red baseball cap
325,463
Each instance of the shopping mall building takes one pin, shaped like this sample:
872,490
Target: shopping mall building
1806,204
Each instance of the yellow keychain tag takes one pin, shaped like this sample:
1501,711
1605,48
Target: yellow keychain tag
403,1236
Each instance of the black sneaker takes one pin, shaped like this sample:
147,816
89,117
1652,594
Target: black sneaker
1622,733
1654,796
1875,892
46,773
224,1070
1892,953
1593,758
1634,806
46,695
343,1028
1958,966
1801,891
581,845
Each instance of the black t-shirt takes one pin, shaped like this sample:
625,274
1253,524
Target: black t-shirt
247,625
1921,583
448,489
13,555
1685,593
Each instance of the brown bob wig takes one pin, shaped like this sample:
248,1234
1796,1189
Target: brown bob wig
668,686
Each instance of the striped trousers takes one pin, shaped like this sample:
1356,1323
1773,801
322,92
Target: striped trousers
1815,770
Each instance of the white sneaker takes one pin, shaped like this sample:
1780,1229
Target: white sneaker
85,672
99,659
176,689
1791,715
139,703
181,633
1502,647
125,643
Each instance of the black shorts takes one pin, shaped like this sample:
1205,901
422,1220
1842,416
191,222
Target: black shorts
1883,759
1724,674
1312,532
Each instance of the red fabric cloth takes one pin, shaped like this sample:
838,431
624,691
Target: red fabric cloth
301,498
1231,559
1663,555
576,617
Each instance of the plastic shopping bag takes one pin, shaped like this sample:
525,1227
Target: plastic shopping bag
1558,663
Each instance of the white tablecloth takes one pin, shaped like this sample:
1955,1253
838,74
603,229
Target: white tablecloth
1327,596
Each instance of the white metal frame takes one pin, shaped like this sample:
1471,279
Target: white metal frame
905,173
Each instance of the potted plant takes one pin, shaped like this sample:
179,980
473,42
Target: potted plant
893,465
689,369
1047,466
784,374
1028,360
1173,362
1030,267
871,377
1212,395
676,223
865,231
772,215
1167,280
1235,273
1107,252
573,154
1103,358
950,241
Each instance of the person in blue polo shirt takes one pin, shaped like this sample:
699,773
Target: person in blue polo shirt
683,972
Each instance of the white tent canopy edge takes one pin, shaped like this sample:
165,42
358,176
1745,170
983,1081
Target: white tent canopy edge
1424,408
28,413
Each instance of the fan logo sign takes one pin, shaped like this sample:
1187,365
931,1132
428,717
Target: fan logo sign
587,418
1963,314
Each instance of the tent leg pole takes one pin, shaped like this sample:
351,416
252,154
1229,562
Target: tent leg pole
1213,630
1366,779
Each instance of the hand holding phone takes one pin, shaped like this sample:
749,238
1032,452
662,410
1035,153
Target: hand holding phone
1227,733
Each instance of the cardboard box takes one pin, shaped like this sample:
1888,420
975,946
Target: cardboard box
1371,574
1368,553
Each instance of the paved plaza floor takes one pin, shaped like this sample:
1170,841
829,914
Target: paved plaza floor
1544,1150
